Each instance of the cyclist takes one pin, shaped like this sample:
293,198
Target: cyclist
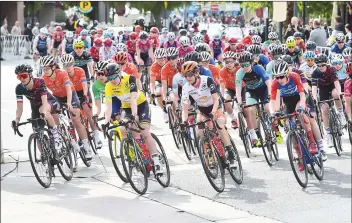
300,41
308,66
107,51
292,93
155,78
325,79
100,33
205,62
258,58
312,46
195,40
181,33
134,103
42,102
131,46
95,49
99,86
168,71
257,41
163,37
67,43
217,47
171,41
337,62
347,54
228,86
276,52
121,47
79,81
185,47
83,59
348,91
232,45
124,37
57,38
340,44
41,47
204,92
154,37
203,47
62,88
293,51
258,85
206,36
144,51
85,38
272,39
196,57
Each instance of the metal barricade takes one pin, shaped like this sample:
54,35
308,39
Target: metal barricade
325,50
15,47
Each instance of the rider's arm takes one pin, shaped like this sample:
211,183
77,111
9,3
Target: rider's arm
151,54
83,81
262,73
314,84
48,43
35,42
185,104
108,102
97,98
164,74
19,109
101,54
63,46
138,53
214,95
337,86
134,95
239,76
274,89
300,89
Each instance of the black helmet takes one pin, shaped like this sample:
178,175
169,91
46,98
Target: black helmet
23,68
298,34
246,57
182,32
311,46
277,50
254,49
287,58
321,58
203,31
193,56
201,47
112,69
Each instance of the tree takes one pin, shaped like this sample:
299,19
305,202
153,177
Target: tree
256,5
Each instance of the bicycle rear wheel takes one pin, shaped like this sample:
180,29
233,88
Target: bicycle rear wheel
335,132
318,166
164,178
212,165
266,143
186,144
40,159
114,150
236,173
173,126
243,131
65,164
82,154
295,155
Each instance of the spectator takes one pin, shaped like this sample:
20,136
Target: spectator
35,30
29,37
308,29
348,29
339,28
4,20
4,31
318,35
51,29
195,27
16,29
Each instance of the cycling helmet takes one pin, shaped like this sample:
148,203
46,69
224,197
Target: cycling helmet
180,62
205,56
340,37
43,31
120,57
287,58
193,56
246,57
203,31
138,28
98,42
271,47
100,31
58,28
273,35
121,47
298,35
321,58
164,30
190,67
182,32
171,36
254,49
280,68
291,41
311,46
171,52
47,61
69,34
239,47
191,30
107,35
84,32
276,50
92,32
349,68
107,42
143,35
160,53
195,40
229,55
347,52
67,59
336,58
112,69
232,40
284,47
256,39
78,43
200,47
154,30
100,66
309,55
184,41
133,35
200,37
23,68
216,37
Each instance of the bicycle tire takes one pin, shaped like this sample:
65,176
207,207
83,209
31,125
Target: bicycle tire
266,144
92,142
131,162
114,150
186,145
68,138
350,131
243,132
238,179
290,136
173,126
194,141
67,158
87,162
211,177
45,158
318,166
163,160
334,128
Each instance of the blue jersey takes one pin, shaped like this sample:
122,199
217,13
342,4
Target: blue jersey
254,79
68,46
263,60
217,47
212,61
42,45
341,74
205,72
336,49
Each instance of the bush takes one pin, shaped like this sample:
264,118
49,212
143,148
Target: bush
60,15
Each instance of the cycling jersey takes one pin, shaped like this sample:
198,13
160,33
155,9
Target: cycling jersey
35,94
162,40
98,90
256,78
218,46
229,78
107,53
82,61
168,45
302,46
144,48
68,45
58,36
87,42
307,70
155,42
167,73
335,48
341,74
78,78
177,81
123,91
42,44
131,69
58,86
204,71
324,79
183,52
292,88
348,87
123,39
295,54
269,68
263,60
131,47
215,71
201,93
301,74
94,53
155,71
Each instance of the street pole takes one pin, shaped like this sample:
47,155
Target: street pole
2,152
295,11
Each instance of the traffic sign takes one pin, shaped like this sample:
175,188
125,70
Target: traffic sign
85,7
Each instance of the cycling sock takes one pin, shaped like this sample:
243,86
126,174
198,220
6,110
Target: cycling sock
320,144
164,109
54,131
327,130
252,134
85,143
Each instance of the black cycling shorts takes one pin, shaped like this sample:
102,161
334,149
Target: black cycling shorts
143,112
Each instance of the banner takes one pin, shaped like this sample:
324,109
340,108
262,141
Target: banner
279,11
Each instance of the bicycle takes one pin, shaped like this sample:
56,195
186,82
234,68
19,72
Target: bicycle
173,124
297,140
145,79
213,156
135,156
189,137
43,139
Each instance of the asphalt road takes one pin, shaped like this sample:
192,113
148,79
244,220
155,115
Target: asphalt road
268,194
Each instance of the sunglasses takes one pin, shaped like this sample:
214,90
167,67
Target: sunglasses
337,63
98,45
100,74
239,51
229,61
107,45
46,68
189,75
185,46
78,48
276,57
298,38
309,60
273,40
280,77
321,65
233,44
83,35
154,32
67,65
22,76
172,57
291,47
340,42
244,65
111,78
160,59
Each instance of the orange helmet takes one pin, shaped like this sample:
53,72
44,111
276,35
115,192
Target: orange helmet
138,28
190,67
120,58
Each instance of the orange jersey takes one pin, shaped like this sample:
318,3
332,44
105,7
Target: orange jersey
131,69
78,78
155,71
57,86
229,78
168,72
215,72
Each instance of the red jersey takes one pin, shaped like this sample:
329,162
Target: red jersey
131,46
155,71
229,78
131,69
155,42
94,52
58,86
78,78
215,72
58,36
167,73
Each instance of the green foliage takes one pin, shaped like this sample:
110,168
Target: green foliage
60,15
314,9
255,5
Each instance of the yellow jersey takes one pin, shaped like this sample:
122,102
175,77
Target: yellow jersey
127,85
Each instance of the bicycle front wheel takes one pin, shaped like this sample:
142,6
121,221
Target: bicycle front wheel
186,144
236,173
40,159
114,150
243,131
173,127
266,143
164,178
335,132
65,163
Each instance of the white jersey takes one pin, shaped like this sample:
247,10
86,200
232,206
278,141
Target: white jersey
201,94
162,40
307,70
107,55
177,80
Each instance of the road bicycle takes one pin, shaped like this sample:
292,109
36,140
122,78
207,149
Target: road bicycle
145,79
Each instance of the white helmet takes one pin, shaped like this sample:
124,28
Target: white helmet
273,35
340,37
171,36
256,39
184,41
205,56
160,53
69,34
280,68
100,66
172,51
67,59
47,61
43,31
121,47
191,30
336,58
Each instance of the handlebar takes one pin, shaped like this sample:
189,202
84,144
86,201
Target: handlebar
205,121
65,108
256,104
123,123
29,120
